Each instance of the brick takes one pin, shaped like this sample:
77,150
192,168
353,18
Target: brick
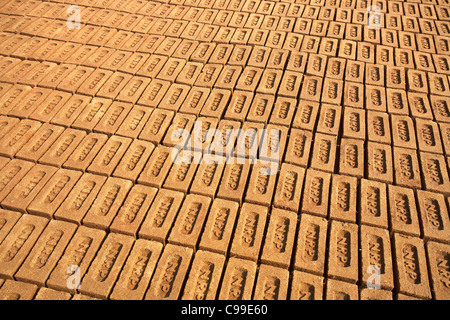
379,161
105,268
297,61
154,93
370,294
113,118
234,180
310,44
445,135
329,119
354,95
245,272
75,79
298,145
16,73
109,156
240,55
92,114
406,165
114,85
403,211
428,137
270,81
355,124
435,172
438,258
203,280
50,106
80,199
94,82
201,137
284,108
306,286
261,185
324,152
249,78
20,240
411,266
46,252
181,173
289,187
40,142
239,105
185,49
440,106
378,127
155,129
343,198
273,143
15,290
339,290
81,54
173,264
12,97
316,191
38,73
134,160
432,208
403,133
306,115
53,193
161,215
134,279
417,81
70,111
50,294
107,203
12,174
174,97
376,257
336,68
30,185
272,283
62,148
207,178
134,122
157,167
7,221
261,108
85,152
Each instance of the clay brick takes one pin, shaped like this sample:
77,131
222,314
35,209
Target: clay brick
441,108
343,198
366,52
316,191
445,134
329,119
297,61
181,173
417,81
216,103
50,294
207,178
154,93
62,148
339,290
298,146
137,271
403,211
202,133
189,73
104,270
435,172
92,114
113,118
46,252
228,77
324,152
259,57
80,199
438,258
157,167
397,103
20,240
442,63
40,142
306,115
38,73
378,127
114,85
204,276
50,106
310,44
428,137
70,111
81,54
195,100
411,266
343,251
355,124
13,96
261,108
4,161
75,79
249,78
134,160
379,162
336,68
239,105
53,193
85,152
245,272
7,221
134,122
406,166
161,215
170,273
26,190
185,49
234,180
432,209
261,185
306,286
109,156
11,175
16,73
15,290
289,187
370,294
94,82
273,144
272,283
403,133
354,95
240,55
376,257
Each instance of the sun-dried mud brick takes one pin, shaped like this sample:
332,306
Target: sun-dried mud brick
440,106
181,173
83,155
46,252
234,179
343,198
114,85
354,95
137,271
298,146
7,221
306,286
376,257
261,185
297,61
204,276
239,105
4,161
134,160
428,136
203,134
249,79
157,167
54,193
109,156
104,270
27,189
155,129
403,211
432,209
289,187
75,79
113,118
340,290
185,49
445,135
207,178
379,162
406,166
16,73
336,68
11,174
403,133
411,266
378,127
329,119
355,124
94,82
174,97
69,112
261,108
154,93
438,257
134,122
435,172
273,144
370,294
19,242
306,115
272,283
316,192
92,114
161,215
53,295
397,103
238,280
80,199
170,273
343,251
12,97
62,148
50,106
324,152
189,73
16,290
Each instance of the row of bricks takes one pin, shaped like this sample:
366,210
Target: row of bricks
75,149
35,251
304,29
115,204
